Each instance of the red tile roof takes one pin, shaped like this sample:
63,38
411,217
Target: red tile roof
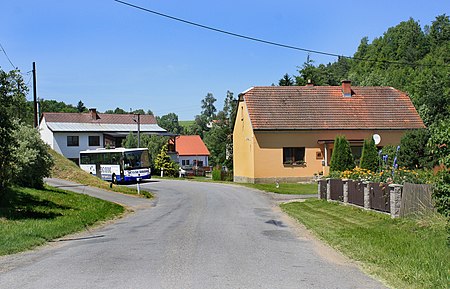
325,107
191,145
102,118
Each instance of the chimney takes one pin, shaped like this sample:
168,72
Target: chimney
93,113
347,88
309,83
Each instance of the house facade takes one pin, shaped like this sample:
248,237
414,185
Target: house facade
191,151
70,133
286,133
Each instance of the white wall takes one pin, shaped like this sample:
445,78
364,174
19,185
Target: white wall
46,134
60,140
192,158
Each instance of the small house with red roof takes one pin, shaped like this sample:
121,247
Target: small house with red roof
286,133
191,151
70,133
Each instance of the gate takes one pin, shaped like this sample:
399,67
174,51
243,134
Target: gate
380,197
356,193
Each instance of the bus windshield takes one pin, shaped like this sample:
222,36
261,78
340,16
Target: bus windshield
136,160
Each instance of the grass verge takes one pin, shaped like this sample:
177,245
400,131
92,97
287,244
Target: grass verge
68,170
407,253
30,217
287,188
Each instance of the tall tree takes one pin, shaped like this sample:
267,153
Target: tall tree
208,108
286,80
170,123
81,107
369,156
12,97
342,158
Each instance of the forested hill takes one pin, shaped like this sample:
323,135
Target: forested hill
407,57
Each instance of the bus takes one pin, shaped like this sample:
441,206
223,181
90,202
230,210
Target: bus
117,165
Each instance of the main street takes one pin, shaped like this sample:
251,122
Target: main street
193,235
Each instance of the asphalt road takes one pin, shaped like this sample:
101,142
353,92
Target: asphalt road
194,235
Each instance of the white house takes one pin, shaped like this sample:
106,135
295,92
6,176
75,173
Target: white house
191,151
70,133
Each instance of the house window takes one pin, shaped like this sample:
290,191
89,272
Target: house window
294,156
94,140
185,162
72,141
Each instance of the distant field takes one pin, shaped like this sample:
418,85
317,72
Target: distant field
186,123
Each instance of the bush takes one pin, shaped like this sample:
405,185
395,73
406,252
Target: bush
33,162
441,193
342,158
369,157
217,175
414,152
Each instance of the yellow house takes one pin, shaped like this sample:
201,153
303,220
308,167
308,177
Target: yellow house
286,133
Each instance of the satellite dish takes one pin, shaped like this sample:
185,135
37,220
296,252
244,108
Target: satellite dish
376,138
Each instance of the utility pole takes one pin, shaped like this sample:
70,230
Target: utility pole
139,128
35,96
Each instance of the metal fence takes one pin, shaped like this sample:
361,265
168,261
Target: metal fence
380,197
356,193
336,190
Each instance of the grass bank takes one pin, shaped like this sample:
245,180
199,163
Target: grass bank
68,170
30,217
407,253
286,188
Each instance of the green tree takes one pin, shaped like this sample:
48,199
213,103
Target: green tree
33,161
286,81
118,110
81,107
342,158
12,98
131,141
208,108
369,158
414,152
170,123
56,106
163,162
439,143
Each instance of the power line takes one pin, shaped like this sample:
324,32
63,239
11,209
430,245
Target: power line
4,52
271,42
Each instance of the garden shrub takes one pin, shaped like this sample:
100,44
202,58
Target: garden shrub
342,158
33,161
216,174
369,158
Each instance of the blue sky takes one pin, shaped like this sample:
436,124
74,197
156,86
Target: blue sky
110,55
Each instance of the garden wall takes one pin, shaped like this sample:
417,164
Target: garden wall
397,200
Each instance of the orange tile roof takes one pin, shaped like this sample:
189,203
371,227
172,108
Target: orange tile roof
325,107
191,145
102,118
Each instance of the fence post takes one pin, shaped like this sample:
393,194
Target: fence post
345,190
395,192
328,189
367,186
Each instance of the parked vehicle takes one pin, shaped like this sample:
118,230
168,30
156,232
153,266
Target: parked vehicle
117,165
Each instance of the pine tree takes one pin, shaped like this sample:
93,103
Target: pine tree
369,157
342,158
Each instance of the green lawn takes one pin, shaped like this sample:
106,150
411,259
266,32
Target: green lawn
407,253
29,217
286,188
